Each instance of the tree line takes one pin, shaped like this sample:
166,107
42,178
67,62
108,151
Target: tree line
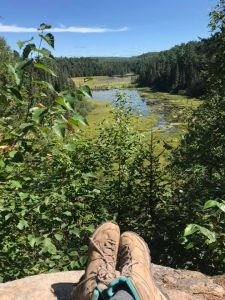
181,69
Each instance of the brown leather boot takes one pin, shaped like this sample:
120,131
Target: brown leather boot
100,270
135,262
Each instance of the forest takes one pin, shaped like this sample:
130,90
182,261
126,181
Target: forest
57,184
182,69
178,70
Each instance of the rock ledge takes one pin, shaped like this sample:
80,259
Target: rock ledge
178,284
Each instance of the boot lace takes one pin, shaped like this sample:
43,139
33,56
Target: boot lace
106,270
126,261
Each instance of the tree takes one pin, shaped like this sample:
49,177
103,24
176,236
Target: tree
46,201
197,165
215,47
6,55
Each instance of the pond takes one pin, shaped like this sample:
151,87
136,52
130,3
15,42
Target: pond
131,95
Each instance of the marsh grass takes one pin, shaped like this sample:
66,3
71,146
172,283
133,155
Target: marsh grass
106,82
175,109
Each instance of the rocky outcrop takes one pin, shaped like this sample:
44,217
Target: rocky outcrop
178,284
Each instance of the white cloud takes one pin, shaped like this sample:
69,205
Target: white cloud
62,28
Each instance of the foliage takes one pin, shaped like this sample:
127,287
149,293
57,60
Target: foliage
56,186
215,51
211,235
6,55
55,191
197,165
46,203
132,181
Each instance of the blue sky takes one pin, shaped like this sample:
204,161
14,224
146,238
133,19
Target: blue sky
109,27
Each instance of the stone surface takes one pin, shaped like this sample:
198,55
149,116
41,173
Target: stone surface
178,284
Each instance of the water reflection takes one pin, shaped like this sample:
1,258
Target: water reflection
131,95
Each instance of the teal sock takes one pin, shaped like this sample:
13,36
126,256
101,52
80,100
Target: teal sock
119,284
122,283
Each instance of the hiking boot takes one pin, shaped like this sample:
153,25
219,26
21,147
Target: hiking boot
100,270
135,263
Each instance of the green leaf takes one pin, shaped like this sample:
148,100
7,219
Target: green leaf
47,201
44,217
45,84
56,257
213,203
49,246
85,91
18,71
70,146
58,236
73,122
22,43
209,234
84,248
22,224
91,228
75,231
15,92
49,38
73,253
74,264
33,240
45,52
67,213
1,279
51,264
190,229
45,68
60,129
12,153
38,113
44,26
23,195
83,260
57,219
27,50
76,119
2,164
14,73
26,126
8,216
70,99
15,184
193,228
63,103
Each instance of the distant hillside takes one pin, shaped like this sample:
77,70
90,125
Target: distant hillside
178,70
